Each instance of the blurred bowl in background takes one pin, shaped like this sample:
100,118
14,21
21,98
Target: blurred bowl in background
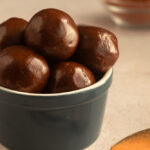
129,12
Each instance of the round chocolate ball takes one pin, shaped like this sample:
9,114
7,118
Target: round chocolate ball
23,70
53,33
11,32
69,76
97,49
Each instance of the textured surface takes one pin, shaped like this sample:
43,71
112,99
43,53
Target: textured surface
128,103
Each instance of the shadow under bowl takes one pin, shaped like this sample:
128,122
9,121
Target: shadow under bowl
62,121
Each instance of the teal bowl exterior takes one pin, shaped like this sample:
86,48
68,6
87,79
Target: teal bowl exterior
64,121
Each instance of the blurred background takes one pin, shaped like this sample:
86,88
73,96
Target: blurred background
128,103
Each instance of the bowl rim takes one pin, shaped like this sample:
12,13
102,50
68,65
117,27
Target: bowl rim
99,83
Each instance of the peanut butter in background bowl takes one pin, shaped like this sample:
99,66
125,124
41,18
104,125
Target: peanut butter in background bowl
135,13
137,141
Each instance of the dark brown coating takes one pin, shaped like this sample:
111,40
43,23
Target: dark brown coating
97,49
23,70
69,76
53,33
11,32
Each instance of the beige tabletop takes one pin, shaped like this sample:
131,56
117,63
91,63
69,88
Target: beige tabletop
128,104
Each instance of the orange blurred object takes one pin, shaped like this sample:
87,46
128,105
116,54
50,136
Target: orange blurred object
137,141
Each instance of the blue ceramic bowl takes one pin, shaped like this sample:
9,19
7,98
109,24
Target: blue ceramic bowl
64,121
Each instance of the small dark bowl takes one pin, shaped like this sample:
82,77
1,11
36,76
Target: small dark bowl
64,121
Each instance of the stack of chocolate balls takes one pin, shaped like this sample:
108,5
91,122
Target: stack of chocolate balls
51,54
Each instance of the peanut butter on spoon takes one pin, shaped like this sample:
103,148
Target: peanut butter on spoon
137,141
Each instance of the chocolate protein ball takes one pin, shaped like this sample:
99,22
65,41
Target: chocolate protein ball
69,76
53,33
97,49
11,32
23,70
